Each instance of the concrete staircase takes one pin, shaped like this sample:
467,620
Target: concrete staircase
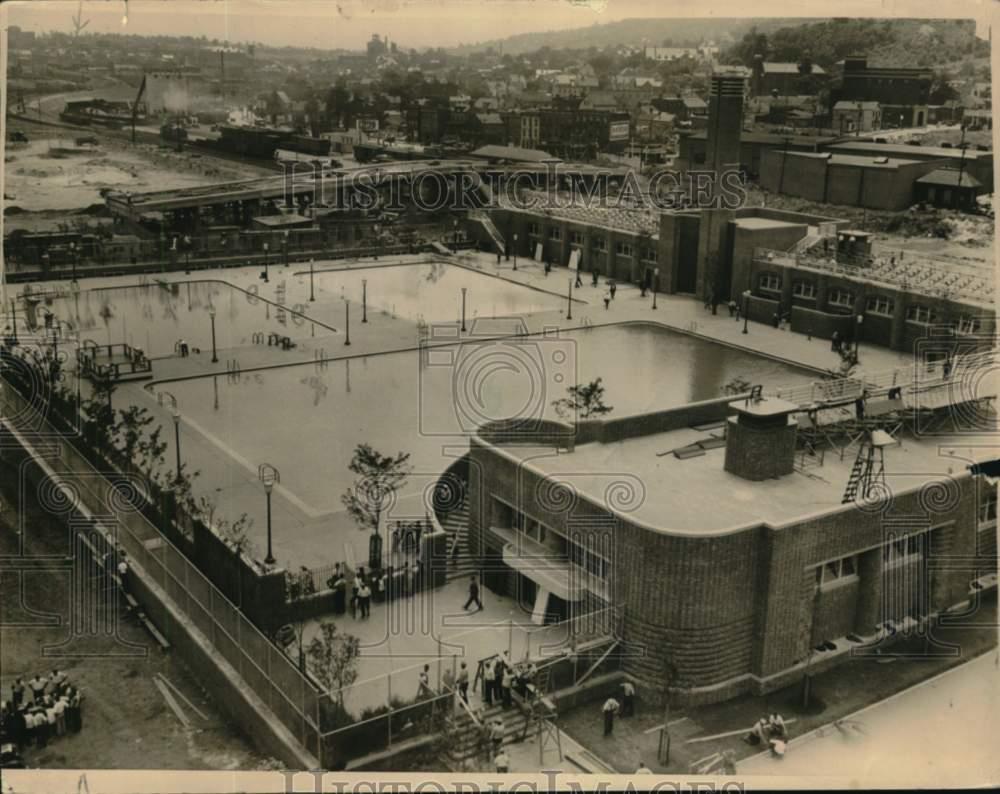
467,742
461,563
486,222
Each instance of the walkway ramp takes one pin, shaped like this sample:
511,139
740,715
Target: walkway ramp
490,228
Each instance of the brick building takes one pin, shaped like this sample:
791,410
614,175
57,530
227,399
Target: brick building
713,597
903,93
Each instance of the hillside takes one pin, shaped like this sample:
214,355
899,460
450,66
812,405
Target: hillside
898,42
654,32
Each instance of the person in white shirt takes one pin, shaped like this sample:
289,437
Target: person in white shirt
643,769
502,762
59,707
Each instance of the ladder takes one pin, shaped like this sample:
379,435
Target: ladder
862,466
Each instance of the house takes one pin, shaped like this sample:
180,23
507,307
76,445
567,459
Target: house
785,78
856,116
949,187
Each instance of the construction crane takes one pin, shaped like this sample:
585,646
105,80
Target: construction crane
135,105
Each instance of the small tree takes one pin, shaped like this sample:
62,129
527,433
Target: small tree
333,657
585,401
130,430
738,385
379,477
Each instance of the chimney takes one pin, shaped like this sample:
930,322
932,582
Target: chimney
760,438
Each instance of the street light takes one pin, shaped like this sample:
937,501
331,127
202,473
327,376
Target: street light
347,316
312,292
13,312
285,246
454,235
463,308
746,309
269,476
378,239
364,300
72,251
161,397
515,251
656,283
569,300
211,316
857,336
187,255
266,279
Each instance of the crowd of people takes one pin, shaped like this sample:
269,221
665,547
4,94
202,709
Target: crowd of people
769,731
41,709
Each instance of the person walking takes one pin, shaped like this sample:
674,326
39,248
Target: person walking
835,342
733,308
463,683
497,732
473,595
593,281
123,572
610,708
607,300
355,589
579,281
612,288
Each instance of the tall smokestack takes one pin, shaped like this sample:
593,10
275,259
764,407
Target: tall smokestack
725,122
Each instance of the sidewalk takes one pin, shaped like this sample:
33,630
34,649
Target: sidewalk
842,691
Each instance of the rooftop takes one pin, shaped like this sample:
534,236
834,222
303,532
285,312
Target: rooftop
950,177
514,153
857,160
889,149
789,68
681,496
613,218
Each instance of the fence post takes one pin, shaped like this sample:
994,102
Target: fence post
439,665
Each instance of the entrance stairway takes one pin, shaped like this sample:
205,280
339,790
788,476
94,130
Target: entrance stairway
469,742
461,564
486,222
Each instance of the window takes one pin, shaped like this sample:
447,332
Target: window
623,249
836,571
770,282
988,509
903,550
804,289
879,304
842,298
920,314
576,238
555,233
600,244
649,255
969,325
533,229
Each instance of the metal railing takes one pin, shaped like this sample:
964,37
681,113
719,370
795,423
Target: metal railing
269,673
919,376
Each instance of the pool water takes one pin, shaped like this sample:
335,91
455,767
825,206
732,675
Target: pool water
306,420
156,316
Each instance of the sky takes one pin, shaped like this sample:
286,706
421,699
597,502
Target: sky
348,24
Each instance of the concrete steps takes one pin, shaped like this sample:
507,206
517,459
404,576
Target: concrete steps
461,564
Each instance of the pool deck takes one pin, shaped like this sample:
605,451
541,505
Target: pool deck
305,536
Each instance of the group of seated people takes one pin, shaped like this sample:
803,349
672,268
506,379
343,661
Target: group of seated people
770,730
40,710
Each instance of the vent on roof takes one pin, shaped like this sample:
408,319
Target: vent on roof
881,160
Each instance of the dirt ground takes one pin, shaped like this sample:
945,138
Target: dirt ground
126,721
843,690
38,176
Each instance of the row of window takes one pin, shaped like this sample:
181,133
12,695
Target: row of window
988,510
577,238
875,304
895,552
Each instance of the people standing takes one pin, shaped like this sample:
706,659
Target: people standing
628,699
610,708
506,682
498,668
463,683
60,709
355,589
593,281
123,572
502,762
835,342
473,595
496,734
424,685
37,686
365,597
488,666
17,693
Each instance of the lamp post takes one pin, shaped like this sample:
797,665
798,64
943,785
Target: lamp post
454,235
656,284
378,239
347,316
746,308
13,312
312,291
73,256
266,279
187,255
463,308
211,316
285,246
515,251
269,476
364,300
569,300
857,336
161,397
